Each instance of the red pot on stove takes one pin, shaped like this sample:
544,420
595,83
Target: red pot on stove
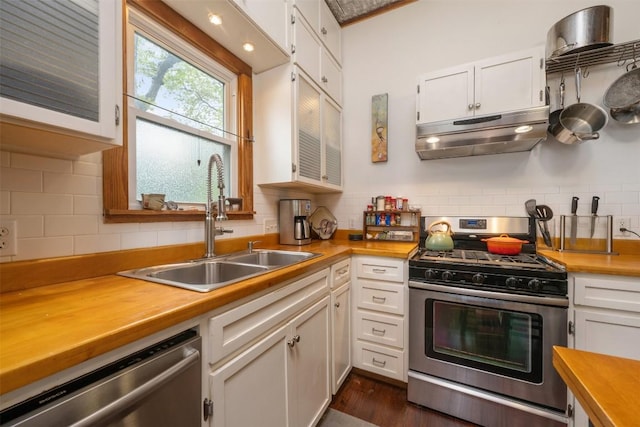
504,245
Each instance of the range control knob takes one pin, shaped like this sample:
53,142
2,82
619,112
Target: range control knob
534,285
477,279
431,274
512,282
447,275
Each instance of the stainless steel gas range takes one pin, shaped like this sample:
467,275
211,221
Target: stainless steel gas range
482,327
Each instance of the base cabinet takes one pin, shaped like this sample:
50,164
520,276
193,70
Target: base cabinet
380,299
606,320
340,323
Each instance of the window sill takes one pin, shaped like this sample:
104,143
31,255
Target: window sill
112,216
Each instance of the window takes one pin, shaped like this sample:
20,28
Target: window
185,92
178,107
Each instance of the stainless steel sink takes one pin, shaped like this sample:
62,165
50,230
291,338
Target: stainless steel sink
207,274
271,257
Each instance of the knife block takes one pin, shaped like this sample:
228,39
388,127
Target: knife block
579,238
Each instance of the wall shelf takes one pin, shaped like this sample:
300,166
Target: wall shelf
408,230
621,54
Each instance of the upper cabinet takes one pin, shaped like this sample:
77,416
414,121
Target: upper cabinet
323,23
270,16
496,85
60,79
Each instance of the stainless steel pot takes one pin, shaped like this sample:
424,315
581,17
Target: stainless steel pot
623,97
579,122
585,29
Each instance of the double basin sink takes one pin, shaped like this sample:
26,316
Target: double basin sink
207,274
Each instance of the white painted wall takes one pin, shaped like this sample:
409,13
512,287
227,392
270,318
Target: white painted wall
385,54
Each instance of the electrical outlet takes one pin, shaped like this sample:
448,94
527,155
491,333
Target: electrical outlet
8,239
622,222
270,226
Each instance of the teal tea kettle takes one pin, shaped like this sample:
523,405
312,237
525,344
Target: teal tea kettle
439,239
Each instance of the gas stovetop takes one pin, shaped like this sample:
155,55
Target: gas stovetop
470,265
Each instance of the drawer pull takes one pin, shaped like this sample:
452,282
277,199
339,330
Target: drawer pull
379,270
379,300
380,332
337,304
379,363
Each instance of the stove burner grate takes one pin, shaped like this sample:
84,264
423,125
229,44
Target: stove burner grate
482,257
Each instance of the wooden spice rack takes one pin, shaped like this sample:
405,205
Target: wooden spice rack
407,231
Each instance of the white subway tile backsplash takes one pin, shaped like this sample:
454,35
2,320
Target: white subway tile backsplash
87,205
45,164
173,237
44,247
5,203
41,203
87,168
70,184
141,239
70,225
21,180
94,243
30,226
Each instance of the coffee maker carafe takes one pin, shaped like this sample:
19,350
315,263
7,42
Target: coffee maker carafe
294,222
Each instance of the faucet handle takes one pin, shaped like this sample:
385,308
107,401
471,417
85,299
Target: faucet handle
251,243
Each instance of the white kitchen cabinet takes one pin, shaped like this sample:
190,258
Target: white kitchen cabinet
284,377
79,112
314,58
323,24
340,323
275,352
495,85
298,132
606,315
271,17
380,330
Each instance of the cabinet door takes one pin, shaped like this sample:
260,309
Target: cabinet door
309,374
331,77
251,389
508,83
332,143
310,9
309,150
39,86
341,335
330,32
306,48
446,94
271,17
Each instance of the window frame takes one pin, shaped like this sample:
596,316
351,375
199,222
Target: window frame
116,161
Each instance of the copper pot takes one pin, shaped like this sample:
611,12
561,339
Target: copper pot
504,245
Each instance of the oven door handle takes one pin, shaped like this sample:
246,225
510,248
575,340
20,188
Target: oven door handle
555,301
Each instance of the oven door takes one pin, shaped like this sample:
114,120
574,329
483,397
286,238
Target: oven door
493,341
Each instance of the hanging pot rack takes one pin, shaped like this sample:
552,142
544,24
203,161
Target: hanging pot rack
620,53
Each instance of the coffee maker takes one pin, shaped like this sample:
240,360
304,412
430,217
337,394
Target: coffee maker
294,223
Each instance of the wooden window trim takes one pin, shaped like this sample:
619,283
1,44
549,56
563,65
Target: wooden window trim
115,162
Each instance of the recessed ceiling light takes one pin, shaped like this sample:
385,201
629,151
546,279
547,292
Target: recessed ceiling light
523,129
433,139
215,19
248,47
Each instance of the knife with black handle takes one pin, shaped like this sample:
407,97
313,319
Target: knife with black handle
594,213
574,220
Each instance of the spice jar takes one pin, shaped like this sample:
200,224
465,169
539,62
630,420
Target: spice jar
380,203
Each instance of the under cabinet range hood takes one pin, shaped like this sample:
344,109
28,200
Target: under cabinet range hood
497,133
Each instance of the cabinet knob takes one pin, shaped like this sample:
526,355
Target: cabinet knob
470,106
324,79
292,342
477,105
323,31
337,305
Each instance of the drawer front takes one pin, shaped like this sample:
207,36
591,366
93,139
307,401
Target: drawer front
340,273
614,292
239,326
381,360
380,296
388,269
380,328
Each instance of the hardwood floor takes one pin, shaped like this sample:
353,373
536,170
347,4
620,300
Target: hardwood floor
386,405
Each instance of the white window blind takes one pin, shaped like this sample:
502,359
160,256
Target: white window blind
49,55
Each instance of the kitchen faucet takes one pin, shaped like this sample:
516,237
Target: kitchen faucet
210,230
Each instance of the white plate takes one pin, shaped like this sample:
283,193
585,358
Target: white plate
323,223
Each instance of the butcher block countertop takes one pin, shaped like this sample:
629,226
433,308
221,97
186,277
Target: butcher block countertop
45,329
624,264
606,386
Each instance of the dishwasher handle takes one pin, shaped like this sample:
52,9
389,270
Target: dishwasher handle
129,399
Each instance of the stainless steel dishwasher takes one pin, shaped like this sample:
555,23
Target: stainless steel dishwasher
157,386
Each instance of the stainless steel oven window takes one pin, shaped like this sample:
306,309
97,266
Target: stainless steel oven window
499,341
